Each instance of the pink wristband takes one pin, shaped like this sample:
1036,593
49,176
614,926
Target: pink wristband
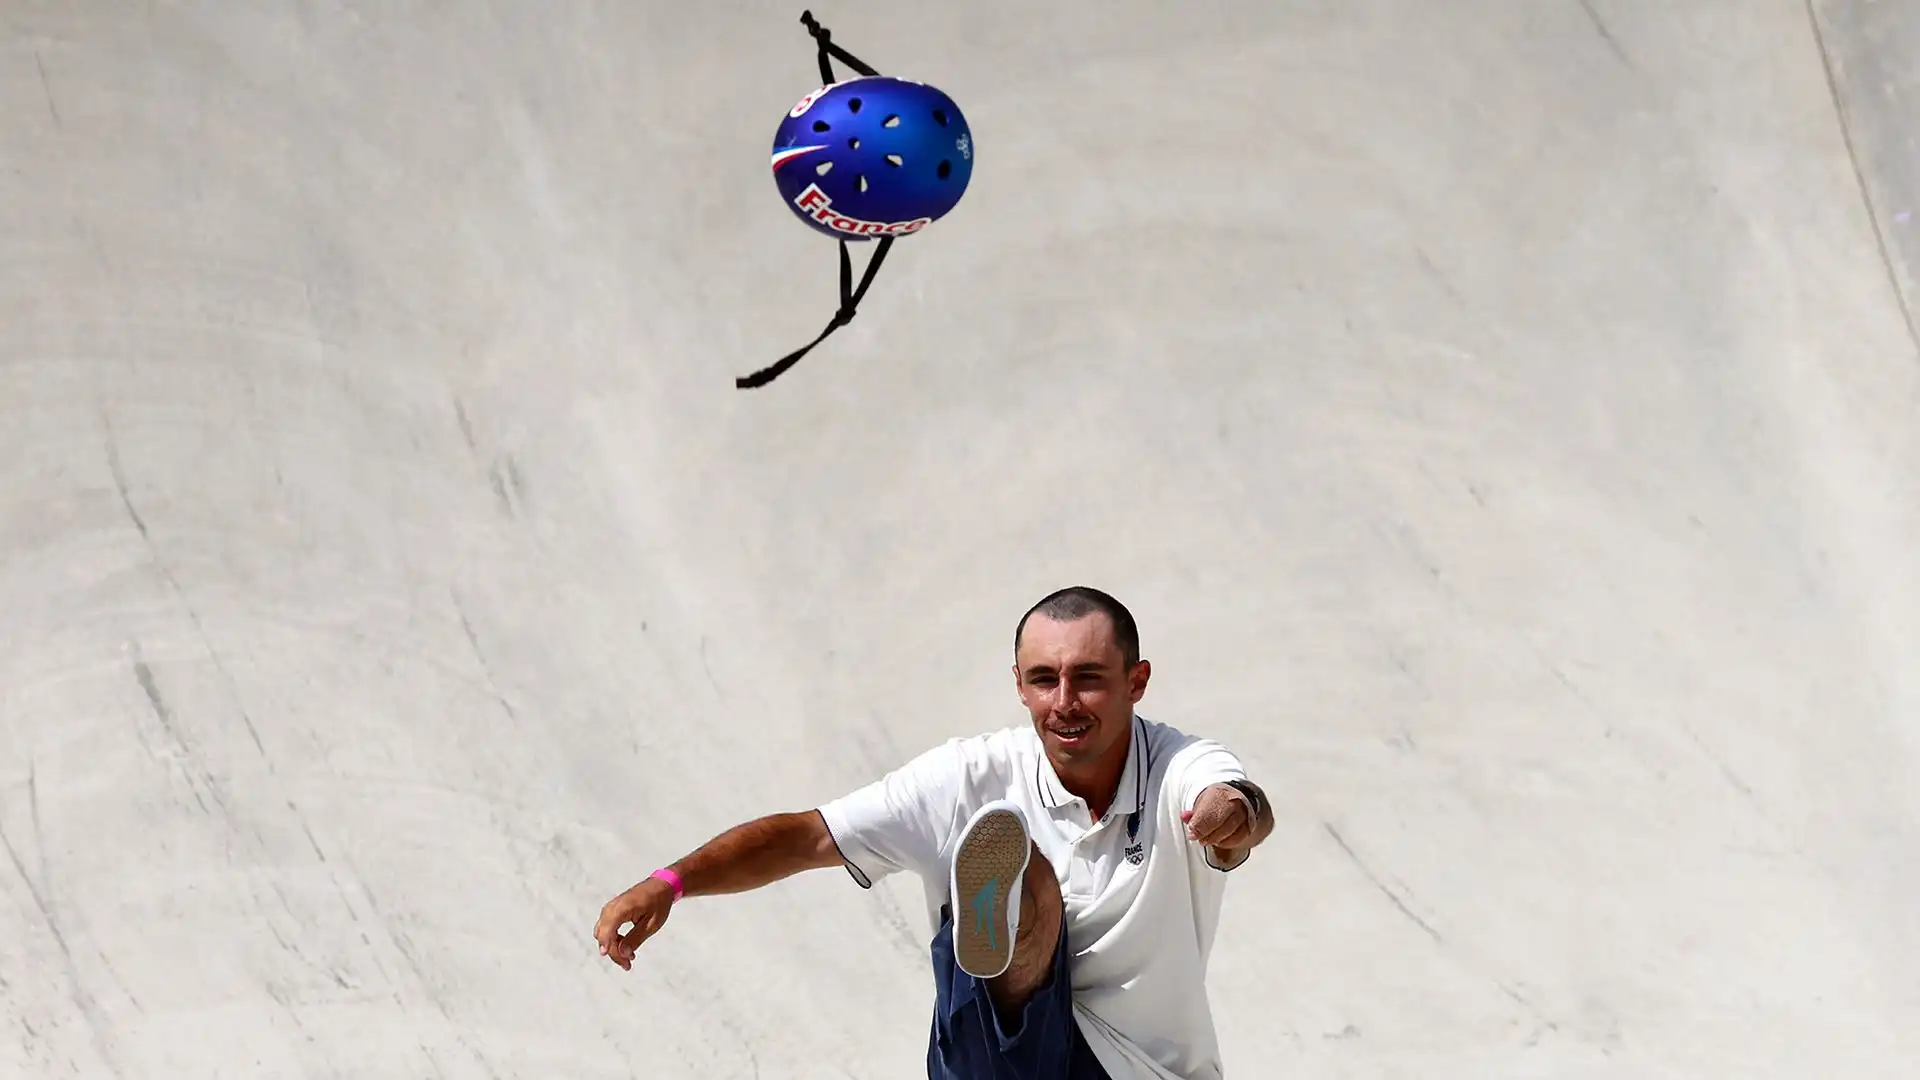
667,875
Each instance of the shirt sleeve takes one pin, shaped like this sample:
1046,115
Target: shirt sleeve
899,821
1198,766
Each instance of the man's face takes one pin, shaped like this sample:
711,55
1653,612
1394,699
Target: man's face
1074,681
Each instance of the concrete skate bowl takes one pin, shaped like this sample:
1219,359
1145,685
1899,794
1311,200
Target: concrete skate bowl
1501,418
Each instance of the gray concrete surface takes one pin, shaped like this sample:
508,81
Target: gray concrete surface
1501,417
1872,52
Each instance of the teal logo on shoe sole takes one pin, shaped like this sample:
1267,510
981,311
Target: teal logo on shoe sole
983,911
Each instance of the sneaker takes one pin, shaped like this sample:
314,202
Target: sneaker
989,864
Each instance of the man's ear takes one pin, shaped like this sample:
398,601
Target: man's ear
1137,680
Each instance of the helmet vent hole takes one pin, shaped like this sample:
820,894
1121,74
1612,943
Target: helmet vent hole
853,144
863,183
940,117
892,122
820,125
853,105
895,160
823,168
946,169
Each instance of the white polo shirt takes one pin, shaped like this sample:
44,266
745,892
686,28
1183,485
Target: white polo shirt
1142,899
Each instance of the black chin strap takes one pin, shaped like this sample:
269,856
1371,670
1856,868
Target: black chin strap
825,37
849,300
849,296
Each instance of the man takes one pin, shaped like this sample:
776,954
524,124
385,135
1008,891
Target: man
1073,867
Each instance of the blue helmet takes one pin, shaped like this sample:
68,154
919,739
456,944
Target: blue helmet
872,156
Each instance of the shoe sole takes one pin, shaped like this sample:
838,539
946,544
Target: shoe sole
992,856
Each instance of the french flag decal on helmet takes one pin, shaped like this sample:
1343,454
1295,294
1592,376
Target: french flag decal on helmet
781,157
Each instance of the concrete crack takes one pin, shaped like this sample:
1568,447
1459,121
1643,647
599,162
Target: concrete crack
89,1009
40,901
1860,178
1378,884
1606,34
708,668
161,711
118,472
466,425
46,90
486,669
126,500
1726,771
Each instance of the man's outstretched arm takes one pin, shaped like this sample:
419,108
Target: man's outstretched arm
745,857
757,853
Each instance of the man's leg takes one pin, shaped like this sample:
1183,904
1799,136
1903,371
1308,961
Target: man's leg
1018,1025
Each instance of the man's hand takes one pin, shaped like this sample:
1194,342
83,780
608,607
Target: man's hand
645,906
1223,819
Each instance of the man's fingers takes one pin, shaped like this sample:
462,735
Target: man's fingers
1221,818
618,912
1220,826
633,906
1236,824
607,928
631,940
612,917
1201,825
1223,836
645,925
610,943
1212,818
620,947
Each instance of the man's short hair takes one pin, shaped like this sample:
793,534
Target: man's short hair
1078,601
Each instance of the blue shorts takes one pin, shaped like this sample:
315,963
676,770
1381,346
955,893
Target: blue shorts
970,1043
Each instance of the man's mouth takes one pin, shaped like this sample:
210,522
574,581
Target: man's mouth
1071,733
